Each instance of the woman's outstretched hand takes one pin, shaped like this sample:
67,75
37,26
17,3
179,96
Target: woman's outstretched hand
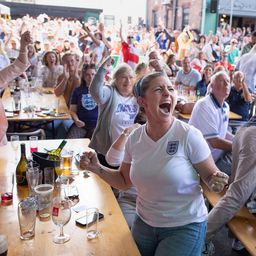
107,62
25,40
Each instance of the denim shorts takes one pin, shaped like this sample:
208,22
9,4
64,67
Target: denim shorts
185,240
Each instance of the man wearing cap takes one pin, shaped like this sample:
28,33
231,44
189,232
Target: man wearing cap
232,51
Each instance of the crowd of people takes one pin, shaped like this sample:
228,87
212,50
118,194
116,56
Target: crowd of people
121,89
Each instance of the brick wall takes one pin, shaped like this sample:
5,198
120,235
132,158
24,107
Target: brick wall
194,8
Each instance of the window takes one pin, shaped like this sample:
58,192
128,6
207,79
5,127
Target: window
140,21
109,20
155,19
185,16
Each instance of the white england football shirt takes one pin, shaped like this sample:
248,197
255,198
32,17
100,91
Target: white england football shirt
169,192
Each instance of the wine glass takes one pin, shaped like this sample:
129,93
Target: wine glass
58,170
15,144
61,214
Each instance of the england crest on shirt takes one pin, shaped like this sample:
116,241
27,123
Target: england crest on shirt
172,147
88,102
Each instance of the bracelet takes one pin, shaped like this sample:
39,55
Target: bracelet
126,134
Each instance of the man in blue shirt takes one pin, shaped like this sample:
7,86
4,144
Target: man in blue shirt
240,97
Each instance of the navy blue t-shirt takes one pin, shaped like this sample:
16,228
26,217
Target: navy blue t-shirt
87,109
201,87
237,103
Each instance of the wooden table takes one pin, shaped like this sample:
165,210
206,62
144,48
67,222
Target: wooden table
242,225
43,99
232,116
115,237
37,119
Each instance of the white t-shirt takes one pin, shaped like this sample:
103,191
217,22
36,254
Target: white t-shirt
247,65
207,50
98,50
189,79
212,120
4,61
169,192
124,114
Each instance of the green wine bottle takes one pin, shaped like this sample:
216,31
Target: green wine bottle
55,154
22,166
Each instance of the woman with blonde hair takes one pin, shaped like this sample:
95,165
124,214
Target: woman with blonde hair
117,106
51,69
184,39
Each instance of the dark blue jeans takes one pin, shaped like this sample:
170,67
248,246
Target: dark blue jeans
185,240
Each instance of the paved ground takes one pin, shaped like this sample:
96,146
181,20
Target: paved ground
223,243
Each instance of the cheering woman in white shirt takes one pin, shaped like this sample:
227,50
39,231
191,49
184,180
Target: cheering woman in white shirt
164,159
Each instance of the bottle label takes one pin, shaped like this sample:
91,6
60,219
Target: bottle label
55,211
21,179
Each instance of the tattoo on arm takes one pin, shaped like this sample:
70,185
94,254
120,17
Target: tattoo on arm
101,170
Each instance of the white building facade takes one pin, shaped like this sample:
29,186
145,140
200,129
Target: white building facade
112,11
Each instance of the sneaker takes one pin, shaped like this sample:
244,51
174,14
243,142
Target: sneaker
237,245
208,249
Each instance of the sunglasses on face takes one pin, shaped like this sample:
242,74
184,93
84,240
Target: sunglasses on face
129,37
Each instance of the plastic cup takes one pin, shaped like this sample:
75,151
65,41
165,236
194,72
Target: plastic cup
71,192
27,218
3,245
34,178
55,105
49,175
44,194
92,219
16,106
33,144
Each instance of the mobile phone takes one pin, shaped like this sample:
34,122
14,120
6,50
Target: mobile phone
82,220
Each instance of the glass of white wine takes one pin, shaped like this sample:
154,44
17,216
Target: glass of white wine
59,171
61,214
15,145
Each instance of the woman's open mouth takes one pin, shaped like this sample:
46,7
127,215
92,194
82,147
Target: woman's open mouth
165,107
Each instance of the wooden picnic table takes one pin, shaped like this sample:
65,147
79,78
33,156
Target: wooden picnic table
115,238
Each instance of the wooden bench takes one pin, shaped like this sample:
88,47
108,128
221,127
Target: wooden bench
243,225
